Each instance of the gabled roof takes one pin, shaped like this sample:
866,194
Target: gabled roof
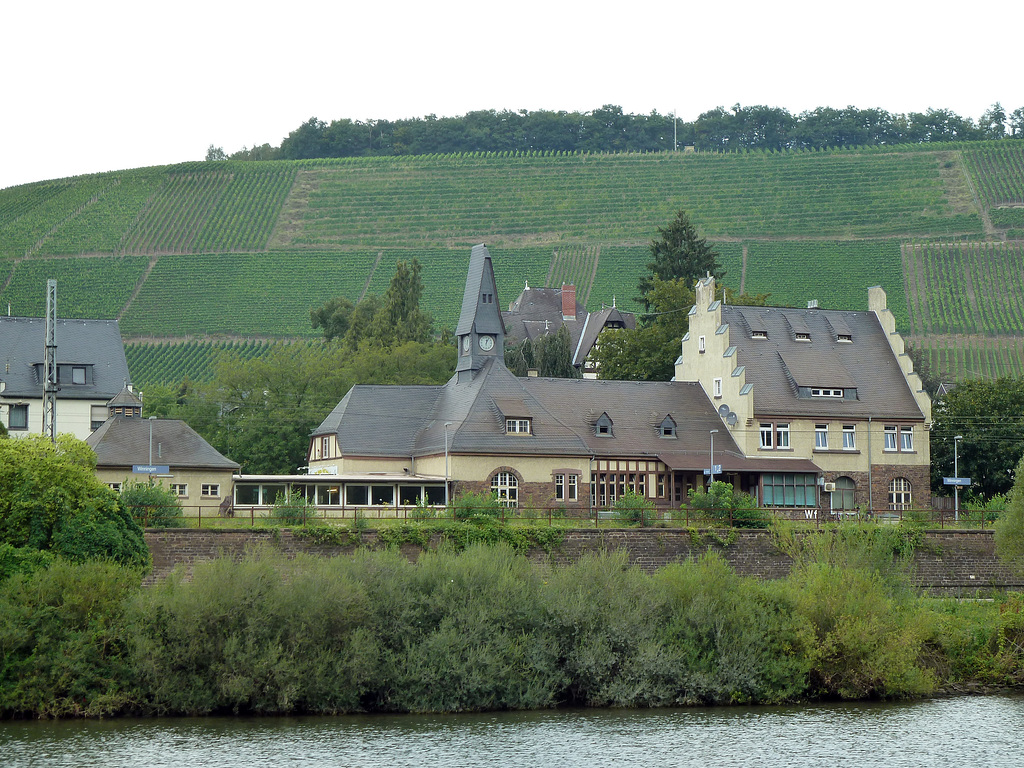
95,343
596,322
123,442
777,366
408,421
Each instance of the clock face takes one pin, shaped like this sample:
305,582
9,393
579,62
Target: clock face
486,343
465,343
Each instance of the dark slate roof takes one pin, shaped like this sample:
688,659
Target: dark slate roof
380,419
80,342
478,279
778,365
122,442
595,323
538,311
409,421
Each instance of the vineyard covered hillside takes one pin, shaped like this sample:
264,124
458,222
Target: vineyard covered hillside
242,250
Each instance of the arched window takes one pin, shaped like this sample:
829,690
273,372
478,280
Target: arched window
843,496
506,486
899,494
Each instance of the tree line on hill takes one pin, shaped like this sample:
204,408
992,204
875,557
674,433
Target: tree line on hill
609,129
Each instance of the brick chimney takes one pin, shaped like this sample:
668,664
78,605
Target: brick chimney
568,302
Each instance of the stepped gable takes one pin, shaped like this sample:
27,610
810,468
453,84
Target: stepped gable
801,348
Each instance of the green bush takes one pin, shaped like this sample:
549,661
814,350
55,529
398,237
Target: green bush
729,507
471,505
22,560
633,509
63,641
295,510
50,499
152,505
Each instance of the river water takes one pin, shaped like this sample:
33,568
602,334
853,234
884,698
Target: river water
967,732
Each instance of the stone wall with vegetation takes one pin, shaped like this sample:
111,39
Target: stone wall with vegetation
945,562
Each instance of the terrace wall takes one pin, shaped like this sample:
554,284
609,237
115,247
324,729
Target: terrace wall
951,563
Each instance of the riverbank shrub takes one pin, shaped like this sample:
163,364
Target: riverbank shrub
477,626
62,641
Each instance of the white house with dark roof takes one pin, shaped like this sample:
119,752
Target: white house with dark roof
831,387
536,442
91,369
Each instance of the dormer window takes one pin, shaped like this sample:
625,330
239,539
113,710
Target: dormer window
517,426
78,374
487,298
603,427
802,336
667,428
826,393
759,334
846,338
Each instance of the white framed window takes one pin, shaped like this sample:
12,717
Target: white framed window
826,393
774,436
325,446
849,437
899,438
115,487
179,489
566,487
210,490
717,387
821,437
505,486
782,435
759,334
701,345
900,496
520,426
802,336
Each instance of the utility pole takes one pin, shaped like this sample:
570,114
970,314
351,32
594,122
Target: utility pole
50,363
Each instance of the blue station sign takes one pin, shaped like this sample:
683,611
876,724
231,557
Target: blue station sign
151,469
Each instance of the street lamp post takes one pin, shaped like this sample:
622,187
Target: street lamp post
151,420
446,425
711,481
956,474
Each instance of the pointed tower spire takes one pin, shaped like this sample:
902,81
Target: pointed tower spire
480,333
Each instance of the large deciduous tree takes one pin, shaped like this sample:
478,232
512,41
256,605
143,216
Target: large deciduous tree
51,500
989,416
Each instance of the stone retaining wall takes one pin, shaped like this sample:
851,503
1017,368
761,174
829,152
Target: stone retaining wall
949,563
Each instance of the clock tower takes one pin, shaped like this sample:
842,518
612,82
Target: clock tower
480,333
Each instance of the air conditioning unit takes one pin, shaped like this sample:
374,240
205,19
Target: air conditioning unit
829,487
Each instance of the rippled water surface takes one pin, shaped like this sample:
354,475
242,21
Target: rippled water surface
967,732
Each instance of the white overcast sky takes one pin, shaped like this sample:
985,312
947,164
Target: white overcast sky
108,85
